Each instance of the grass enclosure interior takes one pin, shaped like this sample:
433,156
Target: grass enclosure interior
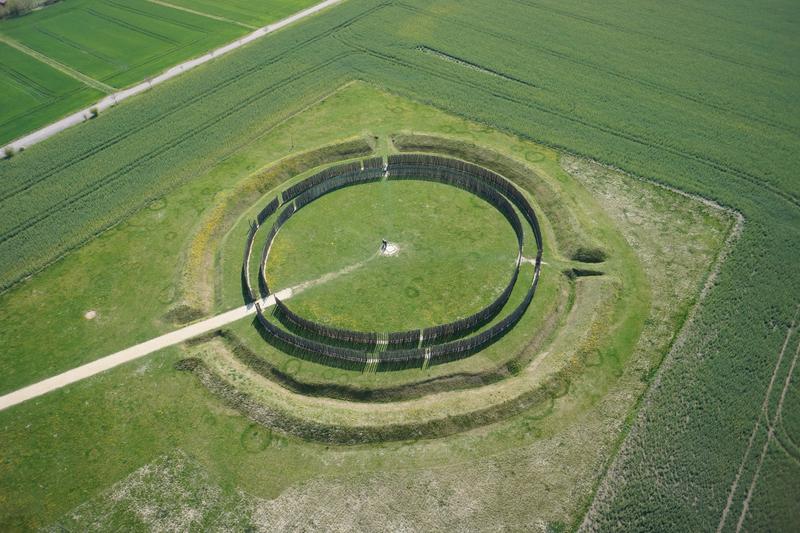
455,256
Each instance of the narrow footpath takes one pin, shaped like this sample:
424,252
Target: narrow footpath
135,352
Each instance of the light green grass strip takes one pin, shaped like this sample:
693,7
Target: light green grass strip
215,17
91,82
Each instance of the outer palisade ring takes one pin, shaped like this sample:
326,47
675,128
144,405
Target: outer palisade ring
399,349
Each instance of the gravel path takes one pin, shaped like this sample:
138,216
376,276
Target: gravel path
134,352
114,98
164,341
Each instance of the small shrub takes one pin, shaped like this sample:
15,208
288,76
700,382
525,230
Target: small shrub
183,314
514,367
589,255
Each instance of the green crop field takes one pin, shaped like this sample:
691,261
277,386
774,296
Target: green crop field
244,11
117,43
32,93
650,386
113,43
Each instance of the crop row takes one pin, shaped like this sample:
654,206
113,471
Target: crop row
670,117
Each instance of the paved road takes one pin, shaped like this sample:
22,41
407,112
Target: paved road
113,99
134,352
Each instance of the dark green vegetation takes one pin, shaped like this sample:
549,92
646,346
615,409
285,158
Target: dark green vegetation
456,255
117,43
32,93
700,96
432,468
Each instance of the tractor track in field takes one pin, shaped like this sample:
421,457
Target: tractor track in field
603,486
629,136
764,410
719,107
112,177
619,28
200,13
178,106
770,436
64,69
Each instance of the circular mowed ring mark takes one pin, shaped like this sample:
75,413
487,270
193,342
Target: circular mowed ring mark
380,350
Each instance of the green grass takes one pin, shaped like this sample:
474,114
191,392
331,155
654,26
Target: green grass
80,429
118,43
31,93
98,275
654,97
244,11
489,364
456,255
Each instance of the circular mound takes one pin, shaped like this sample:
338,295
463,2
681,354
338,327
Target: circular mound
366,286
447,254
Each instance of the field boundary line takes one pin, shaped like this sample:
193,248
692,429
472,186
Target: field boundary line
764,410
64,69
603,486
200,13
114,98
